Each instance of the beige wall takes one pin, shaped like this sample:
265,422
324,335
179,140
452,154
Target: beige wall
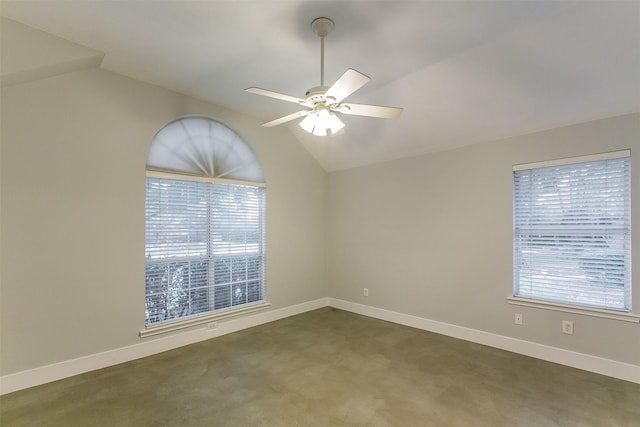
430,236
72,213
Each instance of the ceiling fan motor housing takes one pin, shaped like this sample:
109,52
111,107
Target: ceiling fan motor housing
316,95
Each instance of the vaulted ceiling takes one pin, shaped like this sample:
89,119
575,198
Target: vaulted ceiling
465,72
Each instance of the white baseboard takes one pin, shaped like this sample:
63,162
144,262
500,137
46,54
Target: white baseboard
599,365
68,368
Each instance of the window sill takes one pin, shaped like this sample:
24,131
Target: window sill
179,324
624,317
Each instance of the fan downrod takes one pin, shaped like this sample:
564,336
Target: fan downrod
322,26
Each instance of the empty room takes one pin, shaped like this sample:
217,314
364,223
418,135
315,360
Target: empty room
319,213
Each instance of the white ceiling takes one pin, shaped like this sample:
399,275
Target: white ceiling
464,71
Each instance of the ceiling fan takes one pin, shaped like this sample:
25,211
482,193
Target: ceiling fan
322,102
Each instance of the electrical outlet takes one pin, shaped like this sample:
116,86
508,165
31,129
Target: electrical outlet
212,325
567,327
517,319
365,292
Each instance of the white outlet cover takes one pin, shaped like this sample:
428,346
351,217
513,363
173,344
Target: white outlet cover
517,318
567,327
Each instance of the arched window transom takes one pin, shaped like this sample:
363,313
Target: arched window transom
201,146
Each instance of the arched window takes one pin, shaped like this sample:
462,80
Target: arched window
204,224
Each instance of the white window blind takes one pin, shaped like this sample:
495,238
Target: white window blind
204,247
572,232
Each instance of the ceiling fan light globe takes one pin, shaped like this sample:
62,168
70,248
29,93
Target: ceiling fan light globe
322,123
331,123
309,122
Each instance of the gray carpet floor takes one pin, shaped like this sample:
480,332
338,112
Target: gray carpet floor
330,368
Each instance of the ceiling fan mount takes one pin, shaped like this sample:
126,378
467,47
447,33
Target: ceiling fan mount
322,26
323,102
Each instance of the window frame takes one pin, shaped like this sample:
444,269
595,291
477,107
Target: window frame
213,313
566,306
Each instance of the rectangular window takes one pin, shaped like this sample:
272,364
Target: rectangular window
204,247
572,231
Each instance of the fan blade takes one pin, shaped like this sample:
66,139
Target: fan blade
287,118
276,95
370,111
348,83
